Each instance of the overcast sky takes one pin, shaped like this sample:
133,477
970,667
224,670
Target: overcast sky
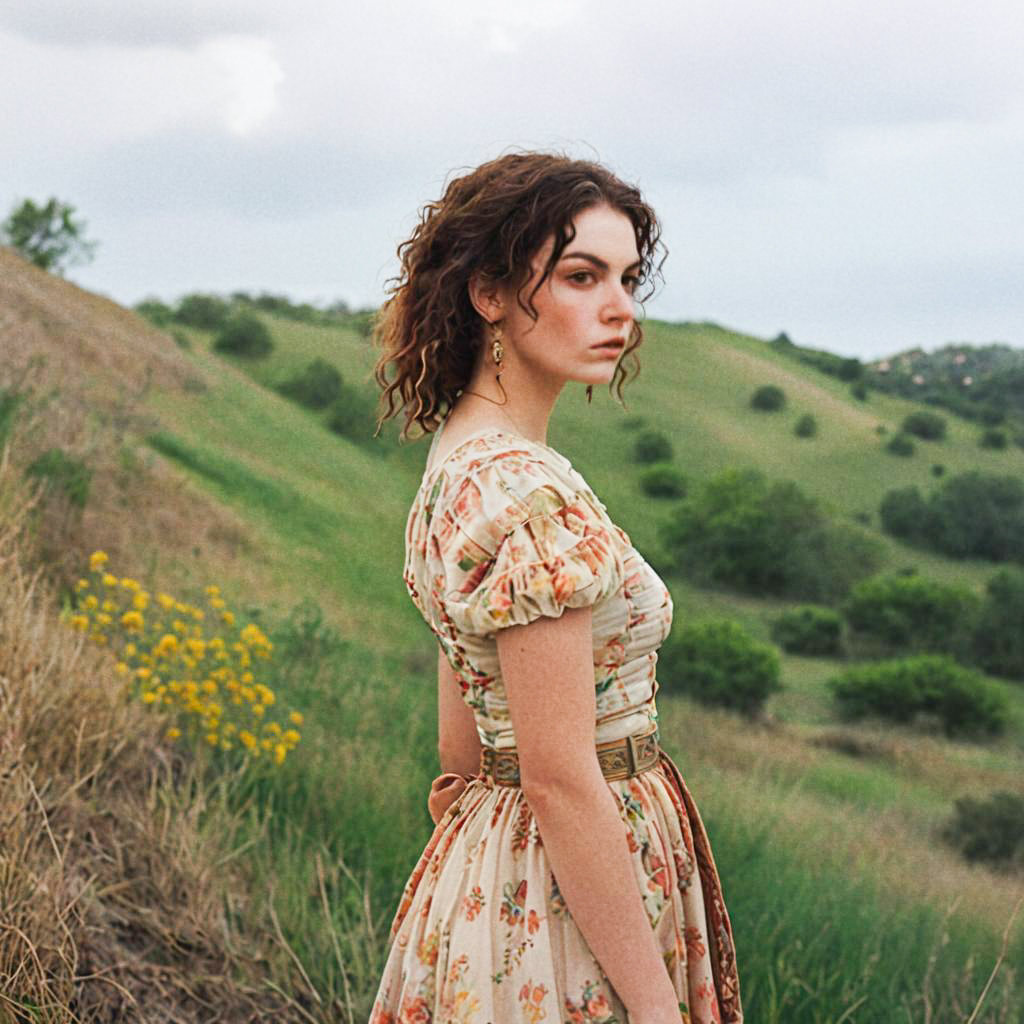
849,172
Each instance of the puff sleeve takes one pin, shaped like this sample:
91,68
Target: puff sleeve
525,541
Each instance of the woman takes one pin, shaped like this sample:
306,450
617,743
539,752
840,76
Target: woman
569,877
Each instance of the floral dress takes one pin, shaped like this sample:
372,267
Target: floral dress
504,531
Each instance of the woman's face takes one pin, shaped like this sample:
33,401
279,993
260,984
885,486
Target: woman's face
586,302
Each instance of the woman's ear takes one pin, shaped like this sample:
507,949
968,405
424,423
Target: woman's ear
486,296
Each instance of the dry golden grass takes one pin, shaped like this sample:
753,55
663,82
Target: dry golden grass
118,887
85,365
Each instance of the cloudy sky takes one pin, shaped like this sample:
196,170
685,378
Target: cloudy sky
848,172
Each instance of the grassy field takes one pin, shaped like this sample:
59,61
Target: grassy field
844,904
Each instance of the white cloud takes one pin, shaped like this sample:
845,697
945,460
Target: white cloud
250,76
844,171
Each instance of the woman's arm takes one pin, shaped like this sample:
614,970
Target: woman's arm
458,743
548,668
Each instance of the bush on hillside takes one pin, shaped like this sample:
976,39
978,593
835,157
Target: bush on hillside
938,469
352,416
903,512
62,473
929,426
859,391
977,514
652,446
765,537
768,398
998,645
810,630
991,831
806,426
663,481
902,690
316,387
900,444
993,438
718,663
244,334
207,312
158,313
896,613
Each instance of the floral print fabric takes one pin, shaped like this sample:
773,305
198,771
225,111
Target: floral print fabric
503,532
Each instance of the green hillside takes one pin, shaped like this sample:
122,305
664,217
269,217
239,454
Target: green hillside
825,833
695,387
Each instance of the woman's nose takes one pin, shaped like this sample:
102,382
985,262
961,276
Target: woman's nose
619,305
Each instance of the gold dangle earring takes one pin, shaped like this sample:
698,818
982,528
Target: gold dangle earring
498,353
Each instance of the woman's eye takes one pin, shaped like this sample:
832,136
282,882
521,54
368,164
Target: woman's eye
580,275
632,282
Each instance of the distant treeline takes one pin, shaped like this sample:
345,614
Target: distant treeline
208,311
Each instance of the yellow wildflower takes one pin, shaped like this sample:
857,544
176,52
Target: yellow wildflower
97,558
132,620
295,718
109,579
173,733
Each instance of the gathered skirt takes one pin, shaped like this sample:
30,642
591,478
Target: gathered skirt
483,936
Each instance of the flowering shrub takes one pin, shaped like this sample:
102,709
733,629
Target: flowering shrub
205,683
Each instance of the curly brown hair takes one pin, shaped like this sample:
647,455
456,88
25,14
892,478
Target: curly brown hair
493,220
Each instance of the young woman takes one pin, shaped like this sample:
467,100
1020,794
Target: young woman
569,876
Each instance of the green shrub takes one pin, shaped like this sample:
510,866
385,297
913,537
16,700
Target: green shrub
809,629
352,416
938,469
244,334
998,644
207,312
719,663
899,613
663,481
766,538
990,830
182,340
900,444
652,446
850,368
859,391
316,387
768,398
63,473
978,514
901,689
929,426
806,426
156,312
993,438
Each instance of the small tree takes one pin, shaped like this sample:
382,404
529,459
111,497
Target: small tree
47,236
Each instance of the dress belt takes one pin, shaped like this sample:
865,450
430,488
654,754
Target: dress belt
619,759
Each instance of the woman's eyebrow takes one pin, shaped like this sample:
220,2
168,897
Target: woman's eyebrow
596,260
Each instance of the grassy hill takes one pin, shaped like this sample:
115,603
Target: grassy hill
838,890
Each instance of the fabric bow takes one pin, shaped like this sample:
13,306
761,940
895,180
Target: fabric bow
444,791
